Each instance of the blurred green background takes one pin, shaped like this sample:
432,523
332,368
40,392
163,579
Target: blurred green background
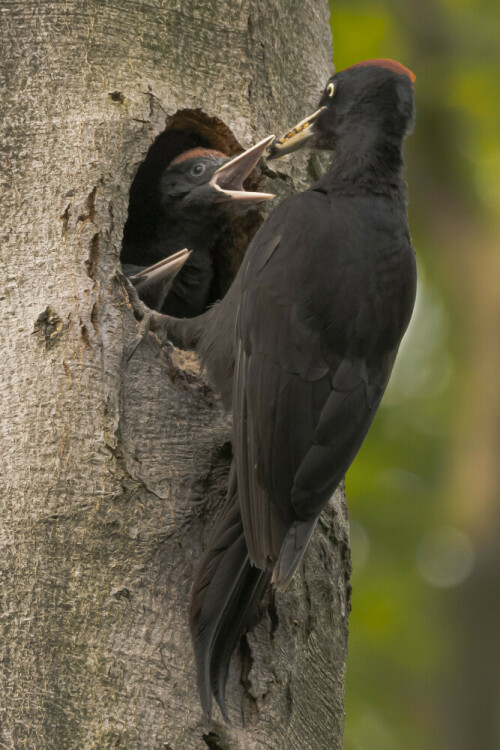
424,492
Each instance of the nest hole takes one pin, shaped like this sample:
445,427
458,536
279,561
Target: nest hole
185,130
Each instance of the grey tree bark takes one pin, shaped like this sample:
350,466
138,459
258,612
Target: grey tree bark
111,471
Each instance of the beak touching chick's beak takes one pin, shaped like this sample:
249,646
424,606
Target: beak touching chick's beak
300,133
295,138
229,178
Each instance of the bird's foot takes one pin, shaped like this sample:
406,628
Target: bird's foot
149,320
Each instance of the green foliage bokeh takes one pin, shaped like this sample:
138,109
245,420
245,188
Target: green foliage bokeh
401,643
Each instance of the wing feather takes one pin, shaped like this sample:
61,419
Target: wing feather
311,370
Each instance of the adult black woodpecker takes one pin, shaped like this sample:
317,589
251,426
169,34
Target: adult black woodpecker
302,347
197,192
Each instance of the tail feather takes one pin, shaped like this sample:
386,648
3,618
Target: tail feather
225,593
247,593
292,551
210,594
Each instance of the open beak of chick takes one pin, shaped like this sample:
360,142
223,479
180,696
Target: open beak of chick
228,179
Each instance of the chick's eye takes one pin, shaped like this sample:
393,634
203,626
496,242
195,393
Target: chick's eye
330,89
198,169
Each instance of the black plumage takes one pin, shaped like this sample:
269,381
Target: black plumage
225,592
154,282
302,348
197,194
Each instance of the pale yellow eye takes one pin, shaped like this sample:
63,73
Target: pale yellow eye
330,89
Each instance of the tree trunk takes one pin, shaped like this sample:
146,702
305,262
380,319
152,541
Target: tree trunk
112,471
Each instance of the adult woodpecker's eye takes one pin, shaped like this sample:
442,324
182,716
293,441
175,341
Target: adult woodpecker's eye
198,169
330,89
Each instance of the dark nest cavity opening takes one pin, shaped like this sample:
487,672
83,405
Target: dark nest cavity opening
187,129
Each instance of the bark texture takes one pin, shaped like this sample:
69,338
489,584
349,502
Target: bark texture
112,472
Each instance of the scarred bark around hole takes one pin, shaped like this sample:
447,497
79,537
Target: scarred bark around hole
112,473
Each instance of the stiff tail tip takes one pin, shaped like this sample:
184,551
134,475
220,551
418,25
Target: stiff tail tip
291,553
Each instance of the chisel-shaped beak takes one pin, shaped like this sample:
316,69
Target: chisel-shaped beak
165,270
228,179
296,137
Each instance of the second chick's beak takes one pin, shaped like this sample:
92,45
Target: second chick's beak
228,179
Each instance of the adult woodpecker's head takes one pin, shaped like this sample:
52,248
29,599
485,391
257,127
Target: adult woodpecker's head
360,105
203,179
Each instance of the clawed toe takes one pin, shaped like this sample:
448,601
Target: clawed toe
149,321
143,330
141,311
